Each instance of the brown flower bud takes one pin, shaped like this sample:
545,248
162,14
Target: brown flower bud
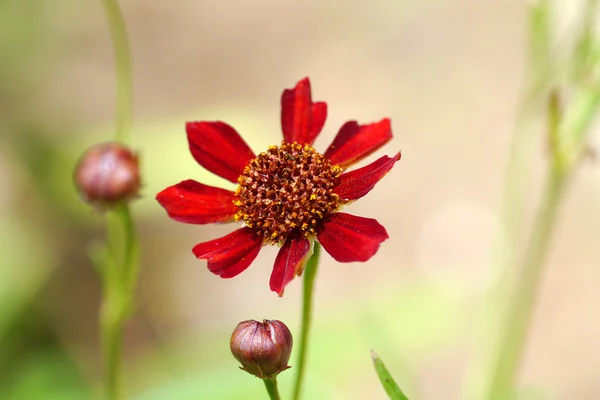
107,174
263,348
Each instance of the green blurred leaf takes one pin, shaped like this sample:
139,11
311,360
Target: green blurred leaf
46,375
23,271
389,384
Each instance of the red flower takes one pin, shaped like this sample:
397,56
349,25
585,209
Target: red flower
289,195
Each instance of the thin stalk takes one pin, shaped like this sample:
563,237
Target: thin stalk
521,306
131,257
121,264
122,54
111,332
309,282
119,278
271,385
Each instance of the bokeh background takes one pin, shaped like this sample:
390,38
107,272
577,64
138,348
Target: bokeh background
447,72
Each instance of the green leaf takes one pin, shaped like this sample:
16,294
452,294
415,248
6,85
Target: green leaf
391,387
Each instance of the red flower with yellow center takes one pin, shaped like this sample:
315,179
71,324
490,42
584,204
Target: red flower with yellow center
289,195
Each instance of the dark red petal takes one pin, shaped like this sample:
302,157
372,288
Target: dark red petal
195,203
289,263
355,184
231,254
355,142
301,119
350,238
219,148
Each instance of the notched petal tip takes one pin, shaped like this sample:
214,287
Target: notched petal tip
349,238
289,263
301,119
355,184
230,255
219,148
355,142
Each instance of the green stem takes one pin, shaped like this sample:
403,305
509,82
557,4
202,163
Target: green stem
122,67
271,385
121,264
522,302
119,277
111,331
131,257
309,282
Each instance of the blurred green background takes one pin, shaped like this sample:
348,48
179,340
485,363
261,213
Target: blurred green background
447,72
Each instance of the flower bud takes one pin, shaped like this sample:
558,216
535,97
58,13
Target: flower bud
107,174
263,348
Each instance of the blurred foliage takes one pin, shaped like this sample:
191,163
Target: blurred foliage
46,230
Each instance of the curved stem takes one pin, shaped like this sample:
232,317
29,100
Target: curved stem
522,302
122,55
131,257
121,264
119,277
309,282
271,385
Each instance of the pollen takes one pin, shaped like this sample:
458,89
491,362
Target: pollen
287,189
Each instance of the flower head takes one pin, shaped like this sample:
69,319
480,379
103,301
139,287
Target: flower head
107,174
263,348
289,195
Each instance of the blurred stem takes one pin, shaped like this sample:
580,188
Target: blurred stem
584,47
111,330
568,127
568,130
271,385
539,74
521,305
119,277
121,263
122,56
309,282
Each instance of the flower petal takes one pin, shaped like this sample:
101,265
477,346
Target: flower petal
232,254
348,238
289,262
301,119
195,203
355,142
219,148
355,184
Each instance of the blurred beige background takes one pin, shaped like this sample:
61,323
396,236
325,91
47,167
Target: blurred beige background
448,74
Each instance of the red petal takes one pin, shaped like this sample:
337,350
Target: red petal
219,148
231,254
355,184
195,203
350,238
301,119
355,142
289,263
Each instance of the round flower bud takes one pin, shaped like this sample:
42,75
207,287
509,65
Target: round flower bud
107,174
263,348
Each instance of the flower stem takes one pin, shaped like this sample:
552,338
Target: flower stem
122,67
522,302
119,273
309,282
111,332
120,265
271,385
